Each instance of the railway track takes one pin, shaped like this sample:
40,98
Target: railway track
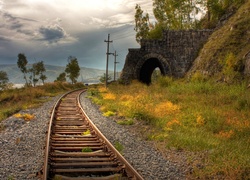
77,150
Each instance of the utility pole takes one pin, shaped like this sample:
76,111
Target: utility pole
115,64
107,61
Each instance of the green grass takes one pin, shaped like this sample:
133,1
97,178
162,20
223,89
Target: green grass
230,39
119,147
125,122
199,116
87,149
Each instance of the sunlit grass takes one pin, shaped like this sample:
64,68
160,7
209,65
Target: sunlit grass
200,116
14,100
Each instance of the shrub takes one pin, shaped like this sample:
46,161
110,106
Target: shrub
165,81
109,113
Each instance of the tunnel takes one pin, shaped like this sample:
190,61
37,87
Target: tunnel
148,68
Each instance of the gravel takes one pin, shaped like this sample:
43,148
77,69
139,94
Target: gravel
141,154
22,145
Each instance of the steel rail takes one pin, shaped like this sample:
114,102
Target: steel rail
47,148
63,155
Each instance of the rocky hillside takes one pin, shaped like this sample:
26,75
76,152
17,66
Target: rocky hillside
227,52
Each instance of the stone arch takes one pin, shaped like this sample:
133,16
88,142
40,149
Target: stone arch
148,63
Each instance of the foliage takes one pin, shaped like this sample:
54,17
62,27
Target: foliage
87,149
141,24
181,14
61,77
216,9
126,122
14,100
103,78
198,115
87,132
37,69
41,70
176,14
72,69
109,113
3,80
118,146
26,117
229,65
22,65
229,43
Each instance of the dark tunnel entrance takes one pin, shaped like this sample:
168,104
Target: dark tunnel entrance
148,68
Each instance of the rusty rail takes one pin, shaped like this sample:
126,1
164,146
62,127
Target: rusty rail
77,150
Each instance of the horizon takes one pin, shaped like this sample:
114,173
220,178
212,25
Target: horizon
51,31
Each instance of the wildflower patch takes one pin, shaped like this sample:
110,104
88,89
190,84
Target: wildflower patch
26,117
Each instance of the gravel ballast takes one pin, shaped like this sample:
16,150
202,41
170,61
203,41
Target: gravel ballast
141,154
22,145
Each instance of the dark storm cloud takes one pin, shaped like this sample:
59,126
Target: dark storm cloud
12,21
16,23
4,39
52,33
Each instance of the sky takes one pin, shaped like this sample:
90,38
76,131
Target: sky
52,30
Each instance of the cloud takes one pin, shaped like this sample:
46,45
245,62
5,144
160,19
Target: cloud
53,30
52,33
15,27
2,38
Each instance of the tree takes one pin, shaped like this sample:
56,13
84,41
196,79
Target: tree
72,69
36,70
142,25
22,65
33,72
61,77
3,79
41,70
176,14
103,78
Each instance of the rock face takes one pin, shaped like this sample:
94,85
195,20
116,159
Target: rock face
173,55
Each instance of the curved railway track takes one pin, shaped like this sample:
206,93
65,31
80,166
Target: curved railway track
77,150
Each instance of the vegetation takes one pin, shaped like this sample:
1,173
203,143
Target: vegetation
103,78
87,149
22,65
87,132
72,69
141,24
36,69
26,117
14,100
119,147
3,80
181,14
223,55
61,77
209,118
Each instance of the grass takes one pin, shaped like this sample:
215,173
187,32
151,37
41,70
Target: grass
87,132
26,117
198,116
14,100
119,147
231,38
87,149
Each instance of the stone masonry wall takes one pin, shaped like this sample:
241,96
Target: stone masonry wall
179,47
